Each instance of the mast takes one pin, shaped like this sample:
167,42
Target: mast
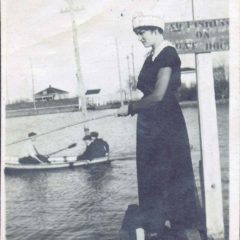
129,79
33,91
81,87
119,72
133,65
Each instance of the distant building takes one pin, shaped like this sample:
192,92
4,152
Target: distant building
50,94
92,97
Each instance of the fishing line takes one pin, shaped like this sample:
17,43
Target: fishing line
61,128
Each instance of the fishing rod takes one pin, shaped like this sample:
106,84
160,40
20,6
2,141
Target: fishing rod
61,128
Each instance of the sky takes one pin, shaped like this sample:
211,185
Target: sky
38,41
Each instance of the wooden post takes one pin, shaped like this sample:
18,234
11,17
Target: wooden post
234,123
210,147
119,72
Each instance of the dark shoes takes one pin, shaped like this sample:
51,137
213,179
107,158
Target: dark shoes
152,236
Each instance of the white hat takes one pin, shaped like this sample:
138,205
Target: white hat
145,21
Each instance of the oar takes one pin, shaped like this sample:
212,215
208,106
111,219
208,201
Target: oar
70,146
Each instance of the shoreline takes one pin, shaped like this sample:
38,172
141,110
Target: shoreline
24,112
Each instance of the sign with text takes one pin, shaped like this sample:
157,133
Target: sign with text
199,36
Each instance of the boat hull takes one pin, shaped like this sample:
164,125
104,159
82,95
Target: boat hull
56,163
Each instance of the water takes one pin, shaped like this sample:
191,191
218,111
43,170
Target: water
85,203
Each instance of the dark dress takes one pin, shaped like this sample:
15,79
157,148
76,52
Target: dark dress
166,184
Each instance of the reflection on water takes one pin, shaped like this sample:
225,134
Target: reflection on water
85,203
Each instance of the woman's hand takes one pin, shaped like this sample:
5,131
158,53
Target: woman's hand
122,111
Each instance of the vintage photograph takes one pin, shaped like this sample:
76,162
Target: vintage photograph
116,120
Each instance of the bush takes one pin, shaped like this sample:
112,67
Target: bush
221,89
187,94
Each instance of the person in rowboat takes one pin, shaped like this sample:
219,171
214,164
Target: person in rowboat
101,146
93,149
166,186
33,156
88,153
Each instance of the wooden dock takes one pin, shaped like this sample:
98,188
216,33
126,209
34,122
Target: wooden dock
131,229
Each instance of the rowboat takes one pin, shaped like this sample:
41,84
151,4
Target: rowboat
55,163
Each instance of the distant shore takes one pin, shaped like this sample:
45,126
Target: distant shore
27,109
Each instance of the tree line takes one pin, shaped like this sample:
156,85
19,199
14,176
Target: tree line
221,87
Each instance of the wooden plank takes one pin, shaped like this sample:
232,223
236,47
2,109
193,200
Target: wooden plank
210,147
132,228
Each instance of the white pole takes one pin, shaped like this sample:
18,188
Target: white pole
33,91
234,122
81,88
133,65
129,79
193,12
210,148
209,144
119,72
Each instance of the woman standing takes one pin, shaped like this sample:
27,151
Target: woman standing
164,169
